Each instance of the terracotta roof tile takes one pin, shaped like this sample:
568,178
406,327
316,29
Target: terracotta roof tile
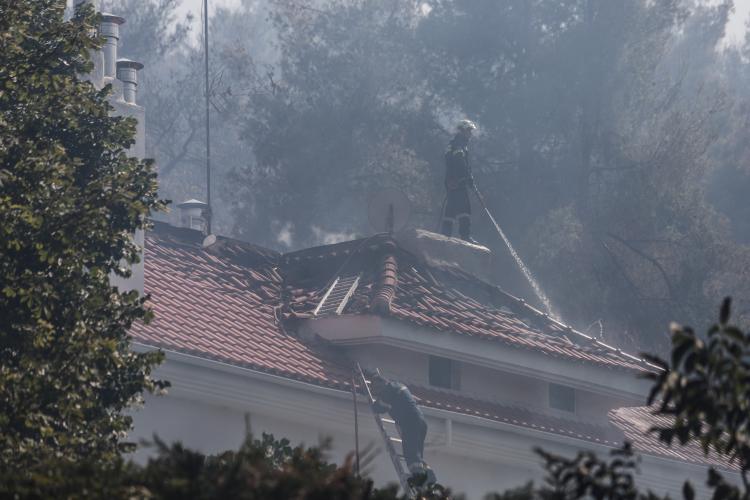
524,417
433,305
636,421
222,304
207,305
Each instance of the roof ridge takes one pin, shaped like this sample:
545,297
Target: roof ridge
194,238
333,249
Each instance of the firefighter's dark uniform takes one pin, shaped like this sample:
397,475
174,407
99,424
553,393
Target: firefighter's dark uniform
458,182
396,399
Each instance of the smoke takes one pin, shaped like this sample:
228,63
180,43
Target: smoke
324,237
284,235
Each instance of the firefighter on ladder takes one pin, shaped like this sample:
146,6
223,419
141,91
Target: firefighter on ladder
395,399
458,182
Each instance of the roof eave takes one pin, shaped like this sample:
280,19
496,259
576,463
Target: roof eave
372,329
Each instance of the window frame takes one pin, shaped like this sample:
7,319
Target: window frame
561,397
436,376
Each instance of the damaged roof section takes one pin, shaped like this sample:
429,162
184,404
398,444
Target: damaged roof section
395,283
237,303
240,292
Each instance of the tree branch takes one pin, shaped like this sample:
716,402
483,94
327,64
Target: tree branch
647,257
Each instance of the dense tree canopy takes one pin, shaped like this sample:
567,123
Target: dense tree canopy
172,91
71,199
612,140
593,148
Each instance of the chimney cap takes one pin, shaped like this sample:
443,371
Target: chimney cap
192,214
129,63
112,18
192,203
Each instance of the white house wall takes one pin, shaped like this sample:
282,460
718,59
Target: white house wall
491,384
369,330
207,405
210,416
498,356
137,150
401,364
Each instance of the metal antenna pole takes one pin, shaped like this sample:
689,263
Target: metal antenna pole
356,424
209,215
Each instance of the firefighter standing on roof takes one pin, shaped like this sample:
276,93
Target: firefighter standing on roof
458,182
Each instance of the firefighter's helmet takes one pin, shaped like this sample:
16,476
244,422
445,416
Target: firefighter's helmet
466,125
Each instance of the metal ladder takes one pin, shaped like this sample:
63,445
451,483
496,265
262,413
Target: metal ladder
337,296
399,463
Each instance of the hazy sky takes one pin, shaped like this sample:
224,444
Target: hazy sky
738,21
195,5
735,30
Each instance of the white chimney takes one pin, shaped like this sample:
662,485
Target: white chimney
127,73
191,214
96,76
110,30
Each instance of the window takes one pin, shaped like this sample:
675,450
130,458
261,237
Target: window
562,397
443,373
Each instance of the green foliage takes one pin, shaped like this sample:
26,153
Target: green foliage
70,200
586,476
55,477
705,388
263,468
525,492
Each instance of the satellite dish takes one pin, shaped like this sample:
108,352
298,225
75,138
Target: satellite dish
388,210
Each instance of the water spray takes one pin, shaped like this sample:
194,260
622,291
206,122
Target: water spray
525,270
